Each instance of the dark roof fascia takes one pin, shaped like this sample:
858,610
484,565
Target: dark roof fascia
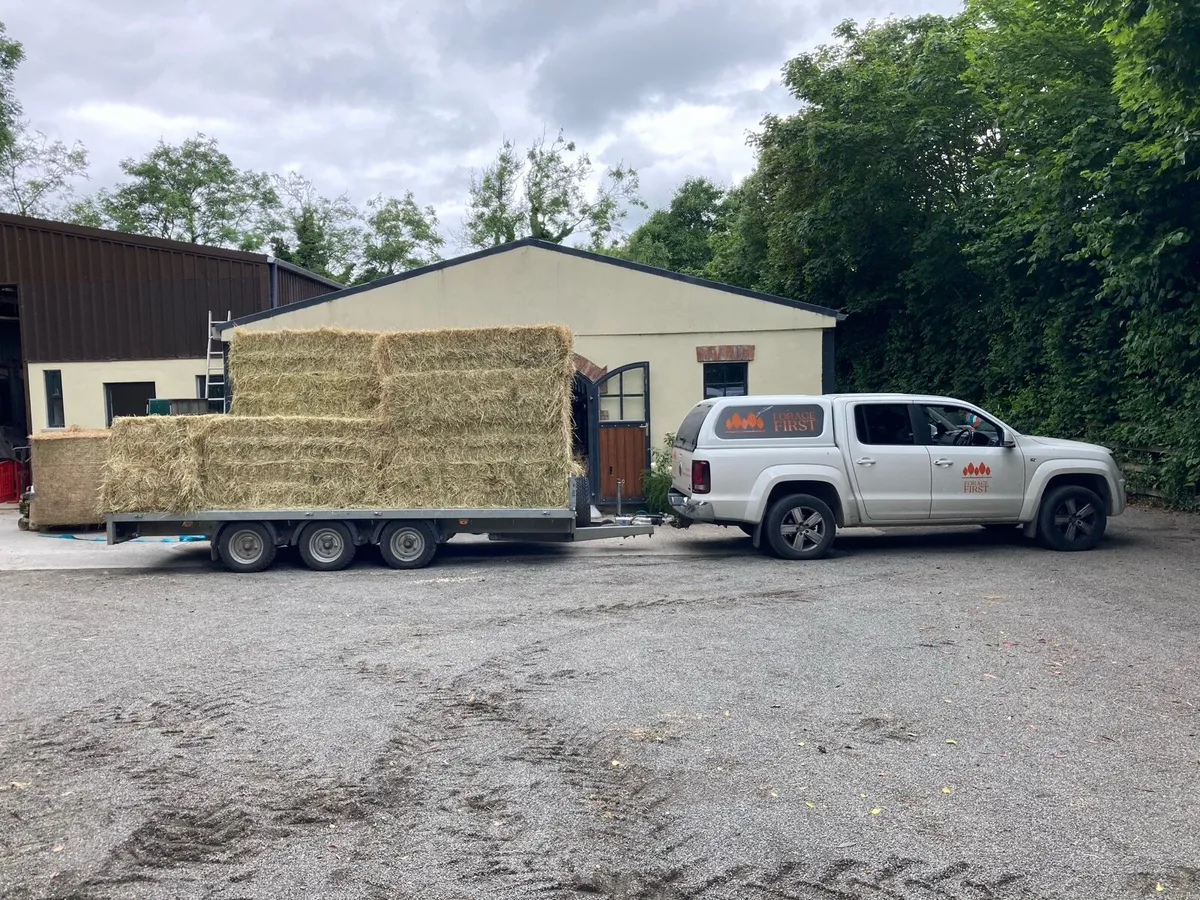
305,273
687,279
543,245
124,237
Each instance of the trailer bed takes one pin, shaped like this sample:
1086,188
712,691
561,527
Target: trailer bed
328,537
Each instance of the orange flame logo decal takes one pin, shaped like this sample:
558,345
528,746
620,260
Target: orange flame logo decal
983,470
752,422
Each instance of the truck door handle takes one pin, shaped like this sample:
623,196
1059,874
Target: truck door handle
865,461
942,462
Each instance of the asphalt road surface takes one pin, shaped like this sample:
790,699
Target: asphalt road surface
952,715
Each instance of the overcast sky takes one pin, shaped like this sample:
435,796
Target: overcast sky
371,96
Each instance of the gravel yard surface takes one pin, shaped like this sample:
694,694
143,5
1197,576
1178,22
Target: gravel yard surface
955,715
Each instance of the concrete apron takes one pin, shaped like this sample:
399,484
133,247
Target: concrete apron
22,551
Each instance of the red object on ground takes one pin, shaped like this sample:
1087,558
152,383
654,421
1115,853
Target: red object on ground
10,481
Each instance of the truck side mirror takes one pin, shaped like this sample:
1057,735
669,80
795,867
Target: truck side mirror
1008,443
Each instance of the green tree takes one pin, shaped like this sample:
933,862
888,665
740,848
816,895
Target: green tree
677,237
860,198
35,172
400,235
315,232
191,192
546,194
11,56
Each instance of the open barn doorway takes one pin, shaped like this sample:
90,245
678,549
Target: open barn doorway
581,417
14,424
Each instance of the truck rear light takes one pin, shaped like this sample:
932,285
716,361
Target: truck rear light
701,477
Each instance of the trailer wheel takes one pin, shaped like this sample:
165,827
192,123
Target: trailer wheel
326,546
246,547
583,502
408,545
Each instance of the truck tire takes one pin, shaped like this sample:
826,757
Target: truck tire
246,546
583,502
800,526
326,546
408,545
1071,518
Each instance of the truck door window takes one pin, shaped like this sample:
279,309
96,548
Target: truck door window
957,426
884,424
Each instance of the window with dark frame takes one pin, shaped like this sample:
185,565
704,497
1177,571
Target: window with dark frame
127,398
884,424
726,379
623,397
218,388
54,399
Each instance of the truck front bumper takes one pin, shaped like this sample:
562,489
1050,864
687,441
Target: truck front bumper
690,508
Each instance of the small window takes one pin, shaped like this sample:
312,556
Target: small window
725,379
54,399
623,397
887,424
689,429
215,392
127,398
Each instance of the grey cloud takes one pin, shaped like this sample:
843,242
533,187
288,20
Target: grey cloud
503,32
589,79
389,95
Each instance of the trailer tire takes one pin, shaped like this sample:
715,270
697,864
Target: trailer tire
246,546
583,502
326,546
408,545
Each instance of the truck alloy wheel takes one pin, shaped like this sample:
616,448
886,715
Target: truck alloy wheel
800,526
1072,518
246,546
408,545
326,546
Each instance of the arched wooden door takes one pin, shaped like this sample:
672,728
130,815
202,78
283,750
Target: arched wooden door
622,411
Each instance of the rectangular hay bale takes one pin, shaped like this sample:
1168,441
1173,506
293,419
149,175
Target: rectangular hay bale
68,477
304,373
516,347
468,402
281,462
153,464
448,484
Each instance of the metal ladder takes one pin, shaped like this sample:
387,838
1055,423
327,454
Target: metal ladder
214,360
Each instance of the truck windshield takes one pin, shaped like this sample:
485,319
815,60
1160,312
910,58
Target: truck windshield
689,428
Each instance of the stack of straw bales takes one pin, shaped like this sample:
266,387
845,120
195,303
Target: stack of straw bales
457,418
67,468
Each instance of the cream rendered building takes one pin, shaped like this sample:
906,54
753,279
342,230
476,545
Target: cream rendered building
650,343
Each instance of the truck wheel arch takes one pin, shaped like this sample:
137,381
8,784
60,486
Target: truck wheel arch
1055,474
825,491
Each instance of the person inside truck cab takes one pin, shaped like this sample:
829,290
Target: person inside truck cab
959,427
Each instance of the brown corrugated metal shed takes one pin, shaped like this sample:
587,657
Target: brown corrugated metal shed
293,284
85,294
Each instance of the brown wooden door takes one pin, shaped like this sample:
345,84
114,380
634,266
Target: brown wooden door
622,455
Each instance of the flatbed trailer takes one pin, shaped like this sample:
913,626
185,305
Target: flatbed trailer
247,540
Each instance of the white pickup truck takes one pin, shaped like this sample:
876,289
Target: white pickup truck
790,470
